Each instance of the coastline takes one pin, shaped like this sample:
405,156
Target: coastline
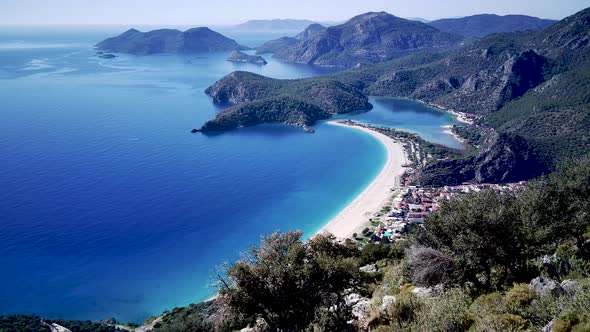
356,214
448,129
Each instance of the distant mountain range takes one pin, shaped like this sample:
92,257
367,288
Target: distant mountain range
274,25
196,40
487,24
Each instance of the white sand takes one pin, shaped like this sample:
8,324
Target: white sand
356,215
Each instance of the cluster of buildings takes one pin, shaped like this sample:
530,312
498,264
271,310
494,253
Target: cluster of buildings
413,204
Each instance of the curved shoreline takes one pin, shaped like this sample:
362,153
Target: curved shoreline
356,214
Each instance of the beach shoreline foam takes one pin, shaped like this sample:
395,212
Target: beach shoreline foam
357,214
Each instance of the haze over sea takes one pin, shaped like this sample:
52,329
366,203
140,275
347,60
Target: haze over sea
110,208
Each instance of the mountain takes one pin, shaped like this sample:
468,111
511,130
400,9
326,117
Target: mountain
274,25
282,43
260,99
311,31
532,84
367,38
276,45
196,40
487,24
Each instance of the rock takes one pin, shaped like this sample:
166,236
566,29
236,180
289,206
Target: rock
308,129
388,300
571,288
361,310
371,268
549,326
545,286
195,130
422,292
352,299
107,56
237,56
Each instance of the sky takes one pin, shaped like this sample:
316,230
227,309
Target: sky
226,12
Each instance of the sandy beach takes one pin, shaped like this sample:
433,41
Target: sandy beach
356,215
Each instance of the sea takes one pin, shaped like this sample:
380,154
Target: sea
111,208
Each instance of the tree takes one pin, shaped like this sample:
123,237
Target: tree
489,238
291,284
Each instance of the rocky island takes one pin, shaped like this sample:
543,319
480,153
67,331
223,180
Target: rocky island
196,40
238,56
260,99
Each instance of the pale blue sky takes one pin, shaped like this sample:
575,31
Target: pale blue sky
215,12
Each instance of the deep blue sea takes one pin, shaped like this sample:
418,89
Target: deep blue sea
109,207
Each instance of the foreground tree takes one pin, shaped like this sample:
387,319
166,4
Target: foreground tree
293,285
491,240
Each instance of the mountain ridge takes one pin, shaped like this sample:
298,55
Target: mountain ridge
482,25
194,40
367,38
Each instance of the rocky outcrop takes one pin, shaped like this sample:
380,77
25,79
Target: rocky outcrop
196,40
237,56
387,302
367,38
371,268
545,287
501,158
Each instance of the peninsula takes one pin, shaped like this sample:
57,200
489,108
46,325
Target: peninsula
258,99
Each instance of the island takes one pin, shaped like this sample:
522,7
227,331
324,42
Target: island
196,40
238,56
258,99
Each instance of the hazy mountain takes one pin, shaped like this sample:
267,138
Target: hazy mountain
276,24
283,43
196,40
367,38
486,24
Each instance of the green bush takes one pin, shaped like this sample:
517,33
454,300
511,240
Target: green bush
448,312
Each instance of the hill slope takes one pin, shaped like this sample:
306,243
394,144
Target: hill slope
367,38
283,43
196,40
487,24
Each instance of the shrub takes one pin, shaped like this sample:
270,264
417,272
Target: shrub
519,296
448,312
290,283
430,267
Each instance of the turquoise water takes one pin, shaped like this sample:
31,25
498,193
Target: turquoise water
411,116
111,208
